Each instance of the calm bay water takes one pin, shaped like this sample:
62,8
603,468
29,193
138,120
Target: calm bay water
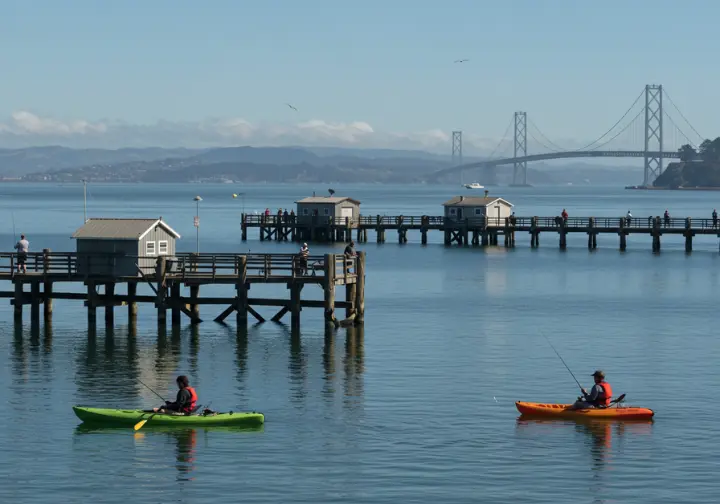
417,406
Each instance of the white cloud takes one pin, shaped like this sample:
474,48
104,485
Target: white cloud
25,128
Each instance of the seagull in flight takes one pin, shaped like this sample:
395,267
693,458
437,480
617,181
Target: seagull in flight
461,60
291,107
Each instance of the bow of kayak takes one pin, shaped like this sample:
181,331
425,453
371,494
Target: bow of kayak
564,411
119,417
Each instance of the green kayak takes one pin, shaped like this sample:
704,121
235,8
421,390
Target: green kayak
131,417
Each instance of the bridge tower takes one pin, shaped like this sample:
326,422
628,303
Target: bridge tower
653,133
457,151
520,169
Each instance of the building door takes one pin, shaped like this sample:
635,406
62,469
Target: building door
459,213
346,212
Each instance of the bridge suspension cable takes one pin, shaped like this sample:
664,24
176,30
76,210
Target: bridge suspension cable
557,148
587,147
504,137
702,138
632,121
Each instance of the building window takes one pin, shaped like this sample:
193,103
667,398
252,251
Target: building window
162,247
150,248
326,211
306,211
452,211
479,212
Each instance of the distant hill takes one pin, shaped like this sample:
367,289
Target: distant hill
17,162
276,164
691,174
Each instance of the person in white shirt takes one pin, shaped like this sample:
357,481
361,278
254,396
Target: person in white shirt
22,248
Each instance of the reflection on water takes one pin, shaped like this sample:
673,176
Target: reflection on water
602,437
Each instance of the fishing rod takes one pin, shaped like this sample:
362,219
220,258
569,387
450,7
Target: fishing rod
12,214
151,390
563,361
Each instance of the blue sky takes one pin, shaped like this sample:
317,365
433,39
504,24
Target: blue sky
574,66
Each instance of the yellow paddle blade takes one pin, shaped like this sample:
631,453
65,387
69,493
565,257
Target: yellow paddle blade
139,425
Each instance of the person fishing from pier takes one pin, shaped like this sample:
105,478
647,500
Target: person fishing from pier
600,395
22,247
666,218
628,218
564,215
714,218
185,401
303,258
350,250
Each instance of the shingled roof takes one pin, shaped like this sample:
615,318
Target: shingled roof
474,201
333,200
120,229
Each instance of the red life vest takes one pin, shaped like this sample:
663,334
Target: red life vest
193,400
606,396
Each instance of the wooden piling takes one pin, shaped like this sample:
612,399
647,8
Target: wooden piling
91,303
132,304
160,272
360,288
241,293
35,302
109,304
176,313
18,300
329,290
194,307
48,300
295,307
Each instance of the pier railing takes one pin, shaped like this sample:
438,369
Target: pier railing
182,266
634,222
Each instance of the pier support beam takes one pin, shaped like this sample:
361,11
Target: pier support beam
109,304
18,301
160,271
91,304
295,307
241,293
194,307
132,304
176,313
48,301
623,241
35,302
360,289
329,291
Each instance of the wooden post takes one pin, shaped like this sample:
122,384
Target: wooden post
160,269
35,302
48,306
18,301
243,227
295,308
329,290
176,313
241,293
349,293
360,288
91,304
47,288
109,304
194,294
132,305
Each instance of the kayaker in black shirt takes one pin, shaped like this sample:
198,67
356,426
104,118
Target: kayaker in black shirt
185,400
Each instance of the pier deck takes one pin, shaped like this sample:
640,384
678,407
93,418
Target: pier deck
475,231
170,274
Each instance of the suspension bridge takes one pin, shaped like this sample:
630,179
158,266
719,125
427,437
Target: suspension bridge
642,122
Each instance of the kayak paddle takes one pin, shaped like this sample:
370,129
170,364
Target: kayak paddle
139,425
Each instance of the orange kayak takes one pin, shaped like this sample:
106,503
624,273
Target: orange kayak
564,411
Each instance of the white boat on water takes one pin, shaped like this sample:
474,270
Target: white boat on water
474,185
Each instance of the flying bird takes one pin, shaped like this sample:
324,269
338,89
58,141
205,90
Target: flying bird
291,107
461,60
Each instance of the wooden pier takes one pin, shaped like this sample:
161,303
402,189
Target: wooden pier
477,231
170,274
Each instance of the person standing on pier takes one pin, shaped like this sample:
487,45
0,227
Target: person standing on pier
350,250
304,254
666,218
714,217
22,248
564,215
628,217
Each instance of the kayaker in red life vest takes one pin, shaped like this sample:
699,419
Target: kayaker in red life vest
185,400
600,395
